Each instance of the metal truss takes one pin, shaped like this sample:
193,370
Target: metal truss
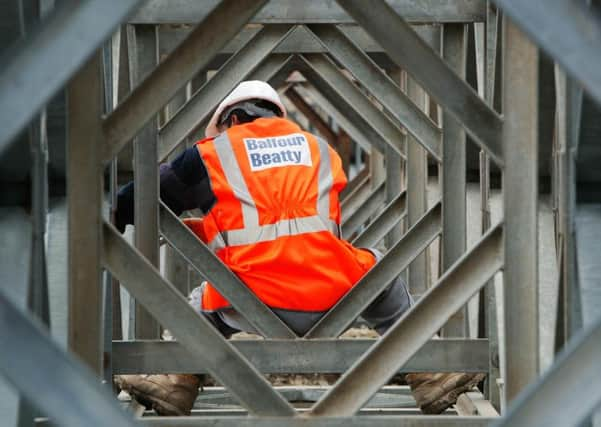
384,114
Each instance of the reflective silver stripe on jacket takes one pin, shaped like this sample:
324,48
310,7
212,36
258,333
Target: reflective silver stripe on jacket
252,231
233,174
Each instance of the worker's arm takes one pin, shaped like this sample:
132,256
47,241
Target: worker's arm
184,185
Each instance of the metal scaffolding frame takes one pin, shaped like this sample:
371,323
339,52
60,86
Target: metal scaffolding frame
374,73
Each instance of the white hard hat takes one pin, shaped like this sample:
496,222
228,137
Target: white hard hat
252,89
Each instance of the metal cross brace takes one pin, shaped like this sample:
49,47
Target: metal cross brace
411,53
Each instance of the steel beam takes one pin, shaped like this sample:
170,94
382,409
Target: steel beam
417,194
576,29
298,356
142,42
454,220
414,329
411,53
388,93
359,179
43,62
576,370
195,332
360,129
379,277
15,255
54,381
360,191
229,16
337,109
227,283
520,181
383,126
290,11
84,190
358,217
274,69
362,421
392,214
203,102
314,118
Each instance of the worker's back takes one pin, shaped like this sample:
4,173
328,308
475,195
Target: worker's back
277,215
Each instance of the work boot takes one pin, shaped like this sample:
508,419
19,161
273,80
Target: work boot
166,394
436,392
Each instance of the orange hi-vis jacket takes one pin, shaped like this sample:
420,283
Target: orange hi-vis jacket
277,217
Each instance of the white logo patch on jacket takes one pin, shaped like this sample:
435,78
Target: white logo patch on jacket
286,150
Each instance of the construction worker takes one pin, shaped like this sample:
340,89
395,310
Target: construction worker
269,193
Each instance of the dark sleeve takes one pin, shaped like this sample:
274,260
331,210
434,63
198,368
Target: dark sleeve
184,185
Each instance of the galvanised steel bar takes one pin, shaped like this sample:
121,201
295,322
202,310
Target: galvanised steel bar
569,319
195,332
15,255
397,259
54,381
38,294
43,62
384,127
142,42
454,221
386,220
84,191
358,217
344,113
203,102
572,384
289,11
191,56
362,421
411,53
298,356
336,108
417,196
314,118
277,79
352,185
414,329
361,188
576,29
381,87
227,283
520,182
488,294
395,183
274,69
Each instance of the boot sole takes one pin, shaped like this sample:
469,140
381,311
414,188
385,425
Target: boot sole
161,407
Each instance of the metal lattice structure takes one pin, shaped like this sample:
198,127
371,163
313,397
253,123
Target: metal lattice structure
401,89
